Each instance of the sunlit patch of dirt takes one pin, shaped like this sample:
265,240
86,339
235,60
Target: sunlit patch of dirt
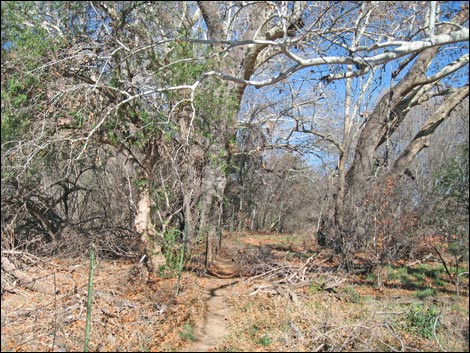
213,329
281,240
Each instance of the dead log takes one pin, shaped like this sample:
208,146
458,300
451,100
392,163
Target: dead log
26,280
286,292
419,261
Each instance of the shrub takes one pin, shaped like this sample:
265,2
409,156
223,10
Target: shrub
425,293
420,321
187,332
264,341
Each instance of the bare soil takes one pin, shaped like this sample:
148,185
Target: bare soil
213,329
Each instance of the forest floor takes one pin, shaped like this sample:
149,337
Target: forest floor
263,292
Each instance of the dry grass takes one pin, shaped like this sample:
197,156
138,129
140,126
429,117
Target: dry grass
355,319
127,314
133,313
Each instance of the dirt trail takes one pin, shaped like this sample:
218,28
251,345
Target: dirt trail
210,333
214,328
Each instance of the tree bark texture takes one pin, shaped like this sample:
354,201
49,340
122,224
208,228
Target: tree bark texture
146,229
391,110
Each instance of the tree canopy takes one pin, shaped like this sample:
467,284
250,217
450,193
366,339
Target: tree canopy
130,119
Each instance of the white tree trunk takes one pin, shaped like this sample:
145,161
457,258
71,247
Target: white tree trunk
144,226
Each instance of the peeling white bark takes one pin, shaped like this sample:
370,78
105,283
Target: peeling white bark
144,226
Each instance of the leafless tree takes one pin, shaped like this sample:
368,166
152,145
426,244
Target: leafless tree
159,86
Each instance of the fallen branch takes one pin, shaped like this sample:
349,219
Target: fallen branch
435,335
331,284
25,279
286,292
419,261
444,263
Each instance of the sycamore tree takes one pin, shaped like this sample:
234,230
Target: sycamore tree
158,87
352,76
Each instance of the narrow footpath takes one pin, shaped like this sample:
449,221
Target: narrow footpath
214,327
